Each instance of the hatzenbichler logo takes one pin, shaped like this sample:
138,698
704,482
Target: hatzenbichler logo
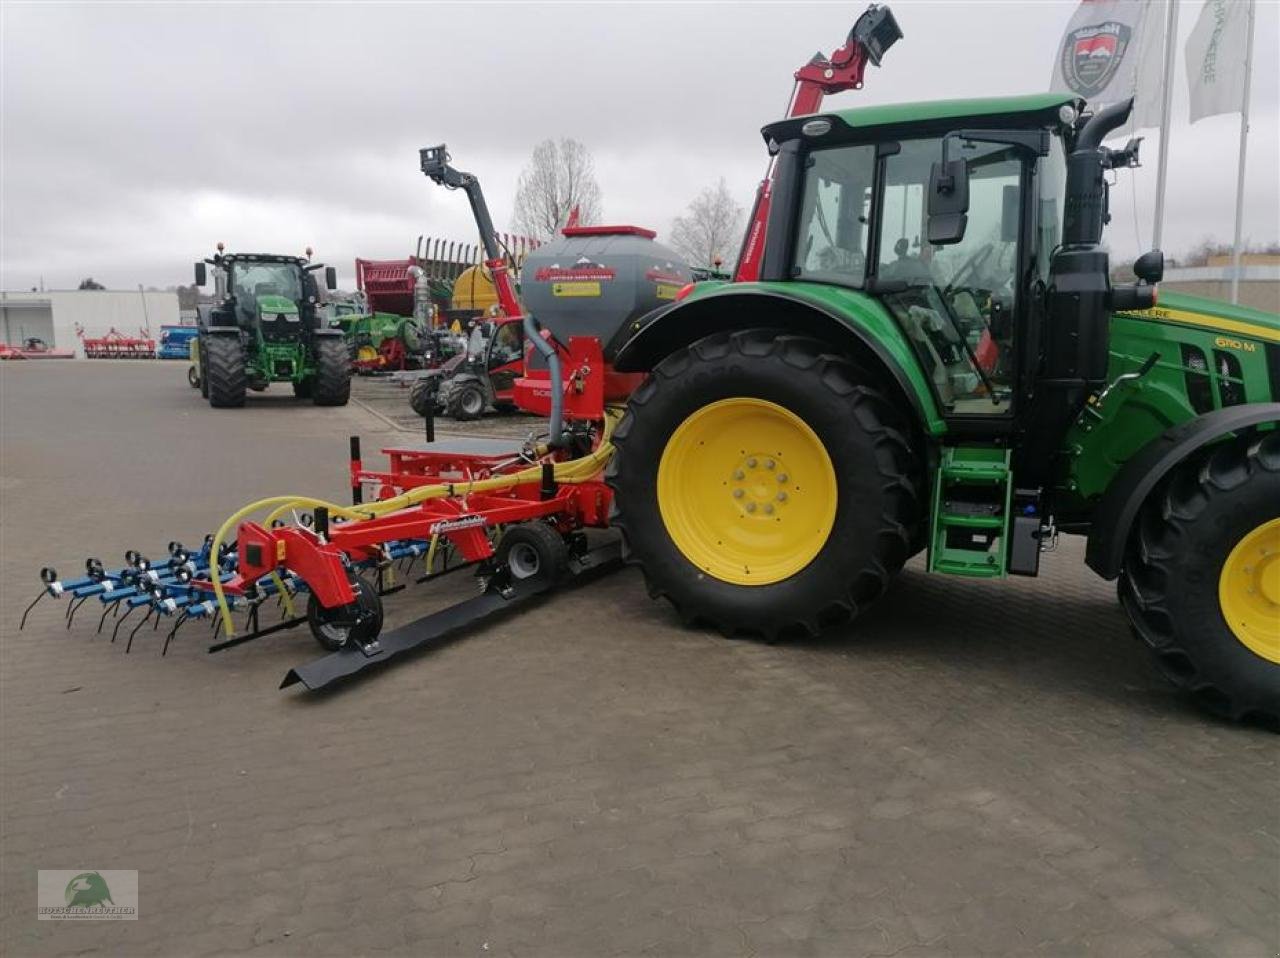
69,895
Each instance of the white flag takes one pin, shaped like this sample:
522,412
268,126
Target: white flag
1112,50
1215,58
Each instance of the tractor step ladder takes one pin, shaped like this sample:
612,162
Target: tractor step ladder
969,523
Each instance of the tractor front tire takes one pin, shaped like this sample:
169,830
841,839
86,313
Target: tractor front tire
332,381
1201,579
225,375
765,486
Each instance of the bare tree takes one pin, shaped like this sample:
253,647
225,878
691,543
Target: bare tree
559,177
710,229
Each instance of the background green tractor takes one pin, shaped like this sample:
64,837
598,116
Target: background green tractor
934,358
268,326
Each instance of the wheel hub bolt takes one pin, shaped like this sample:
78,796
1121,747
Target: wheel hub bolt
768,508
782,497
737,493
751,507
782,477
739,474
769,463
751,463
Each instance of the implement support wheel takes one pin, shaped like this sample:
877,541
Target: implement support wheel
533,550
361,621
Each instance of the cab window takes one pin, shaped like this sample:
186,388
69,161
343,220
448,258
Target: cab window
957,307
835,213
508,345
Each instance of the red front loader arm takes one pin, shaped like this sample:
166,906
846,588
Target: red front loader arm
873,33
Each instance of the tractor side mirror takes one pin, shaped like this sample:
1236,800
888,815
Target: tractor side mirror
948,202
330,277
1149,267
202,275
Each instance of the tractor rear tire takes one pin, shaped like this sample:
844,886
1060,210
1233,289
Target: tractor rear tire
533,550
466,402
334,629
332,384
731,436
1201,579
225,371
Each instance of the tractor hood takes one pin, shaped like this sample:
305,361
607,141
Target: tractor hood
276,306
1182,309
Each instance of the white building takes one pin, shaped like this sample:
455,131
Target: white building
53,315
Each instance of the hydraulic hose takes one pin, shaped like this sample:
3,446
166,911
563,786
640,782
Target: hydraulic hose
572,471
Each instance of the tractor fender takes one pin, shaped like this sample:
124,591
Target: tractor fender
1129,489
221,331
327,333
641,345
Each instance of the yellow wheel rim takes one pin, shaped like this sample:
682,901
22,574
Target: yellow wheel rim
747,491
366,354
1249,590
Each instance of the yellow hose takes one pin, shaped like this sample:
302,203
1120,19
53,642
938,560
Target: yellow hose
572,472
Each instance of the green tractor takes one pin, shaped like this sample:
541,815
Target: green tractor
267,326
932,357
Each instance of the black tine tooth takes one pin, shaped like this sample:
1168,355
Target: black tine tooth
146,618
182,617
43,593
111,607
75,607
120,621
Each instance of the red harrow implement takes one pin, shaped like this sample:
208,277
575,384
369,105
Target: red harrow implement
116,345
518,516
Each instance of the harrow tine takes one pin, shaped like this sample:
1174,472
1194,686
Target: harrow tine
120,621
182,617
73,607
145,619
43,593
113,608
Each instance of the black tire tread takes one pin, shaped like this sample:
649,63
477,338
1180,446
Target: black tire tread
898,531
227,379
1196,489
332,383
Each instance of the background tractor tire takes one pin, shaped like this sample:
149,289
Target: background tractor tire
873,483
422,396
331,385
1171,584
303,388
533,550
466,402
225,374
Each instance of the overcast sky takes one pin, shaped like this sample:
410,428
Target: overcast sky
135,136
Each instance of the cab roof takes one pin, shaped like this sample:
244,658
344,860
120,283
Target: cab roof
1030,109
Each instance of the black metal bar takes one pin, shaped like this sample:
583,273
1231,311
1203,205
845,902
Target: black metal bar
113,608
357,489
499,598
242,639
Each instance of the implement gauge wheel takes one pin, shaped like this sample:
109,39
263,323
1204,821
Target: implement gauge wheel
1201,579
533,550
331,385
336,628
765,486
193,377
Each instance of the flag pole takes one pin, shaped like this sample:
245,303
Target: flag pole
1244,141
1162,167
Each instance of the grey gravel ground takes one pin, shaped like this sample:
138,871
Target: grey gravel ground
973,769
